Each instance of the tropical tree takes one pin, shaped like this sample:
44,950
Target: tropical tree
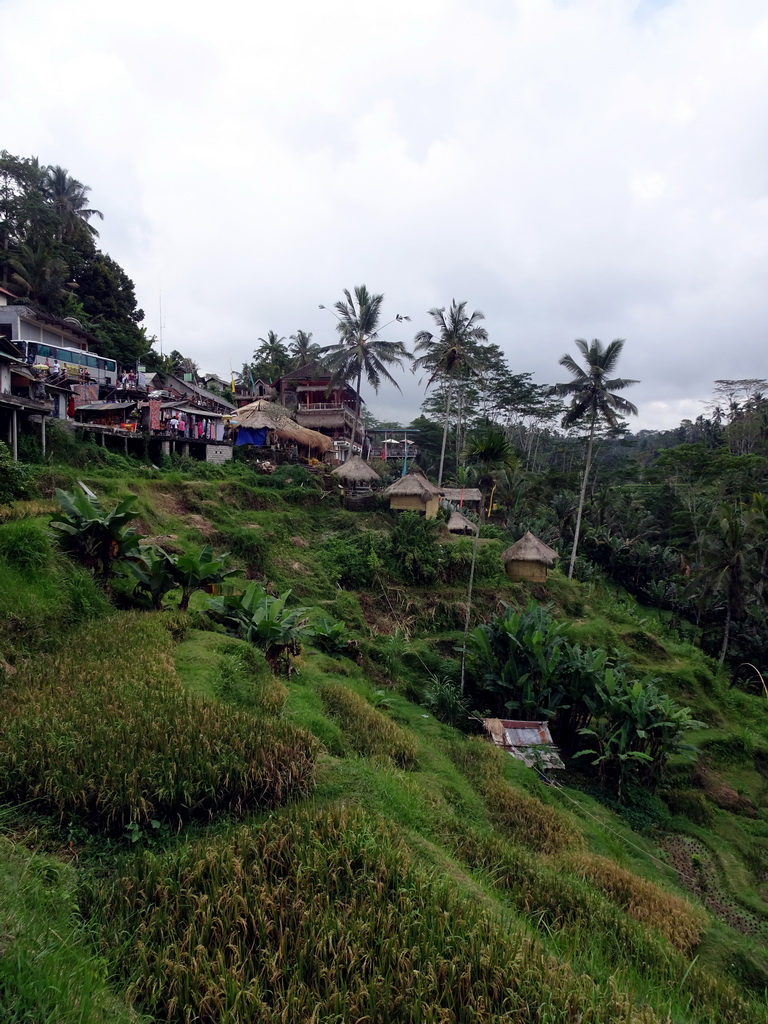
303,350
69,199
729,567
94,537
41,275
361,350
272,356
593,400
263,620
449,355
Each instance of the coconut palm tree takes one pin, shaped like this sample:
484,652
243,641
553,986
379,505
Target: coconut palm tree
302,348
69,198
41,275
593,399
272,355
361,350
730,568
449,355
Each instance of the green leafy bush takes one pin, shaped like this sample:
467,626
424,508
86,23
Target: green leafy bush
263,620
104,733
14,477
92,536
413,553
353,561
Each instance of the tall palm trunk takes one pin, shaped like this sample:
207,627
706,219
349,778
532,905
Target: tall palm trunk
357,416
583,494
445,432
469,601
726,634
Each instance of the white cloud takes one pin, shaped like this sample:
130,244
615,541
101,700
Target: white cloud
585,169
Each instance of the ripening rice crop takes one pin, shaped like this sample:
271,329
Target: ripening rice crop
105,733
324,916
522,818
367,730
674,917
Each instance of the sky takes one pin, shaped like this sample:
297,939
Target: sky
572,168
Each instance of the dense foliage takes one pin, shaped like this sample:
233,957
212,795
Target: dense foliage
49,258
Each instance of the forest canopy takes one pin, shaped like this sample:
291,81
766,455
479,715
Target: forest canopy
49,258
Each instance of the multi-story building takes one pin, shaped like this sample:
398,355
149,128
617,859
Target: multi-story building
307,392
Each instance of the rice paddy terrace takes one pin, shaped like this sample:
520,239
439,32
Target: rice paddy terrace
185,836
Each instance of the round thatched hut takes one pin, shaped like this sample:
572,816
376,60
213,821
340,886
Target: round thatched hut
356,475
529,559
414,493
459,523
265,423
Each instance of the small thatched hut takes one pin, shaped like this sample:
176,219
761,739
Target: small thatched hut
263,422
414,493
460,524
356,475
529,559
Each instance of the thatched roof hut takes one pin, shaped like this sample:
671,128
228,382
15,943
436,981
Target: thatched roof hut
356,472
414,493
459,523
256,421
529,559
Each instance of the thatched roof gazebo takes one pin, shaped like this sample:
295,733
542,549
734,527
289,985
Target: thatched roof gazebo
255,423
356,473
414,493
459,523
357,478
529,559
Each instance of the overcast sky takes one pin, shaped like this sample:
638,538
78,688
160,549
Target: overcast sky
572,168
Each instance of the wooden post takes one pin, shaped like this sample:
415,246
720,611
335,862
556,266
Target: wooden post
42,432
15,436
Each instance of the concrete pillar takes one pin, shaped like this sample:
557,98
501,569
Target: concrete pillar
15,436
165,447
185,449
125,444
103,437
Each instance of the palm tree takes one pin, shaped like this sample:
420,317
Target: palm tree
41,275
730,568
593,399
273,356
449,356
361,350
69,199
303,350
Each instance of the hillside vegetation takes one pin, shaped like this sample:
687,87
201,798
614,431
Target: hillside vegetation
188,837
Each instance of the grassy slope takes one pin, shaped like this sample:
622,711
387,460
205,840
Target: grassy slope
438,809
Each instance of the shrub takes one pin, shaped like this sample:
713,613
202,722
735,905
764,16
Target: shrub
25,545
105,733
231,930
352,561
14,477
413,554
367,730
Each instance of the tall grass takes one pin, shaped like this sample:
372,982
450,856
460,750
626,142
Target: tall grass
367,730
48,974
105,733
42,594
324,916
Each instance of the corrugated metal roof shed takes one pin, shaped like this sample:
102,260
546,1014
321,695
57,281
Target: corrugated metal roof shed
529,742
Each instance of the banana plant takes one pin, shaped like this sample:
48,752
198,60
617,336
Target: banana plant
264,621
154,573
94,537
199,571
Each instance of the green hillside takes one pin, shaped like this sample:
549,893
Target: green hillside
187,836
